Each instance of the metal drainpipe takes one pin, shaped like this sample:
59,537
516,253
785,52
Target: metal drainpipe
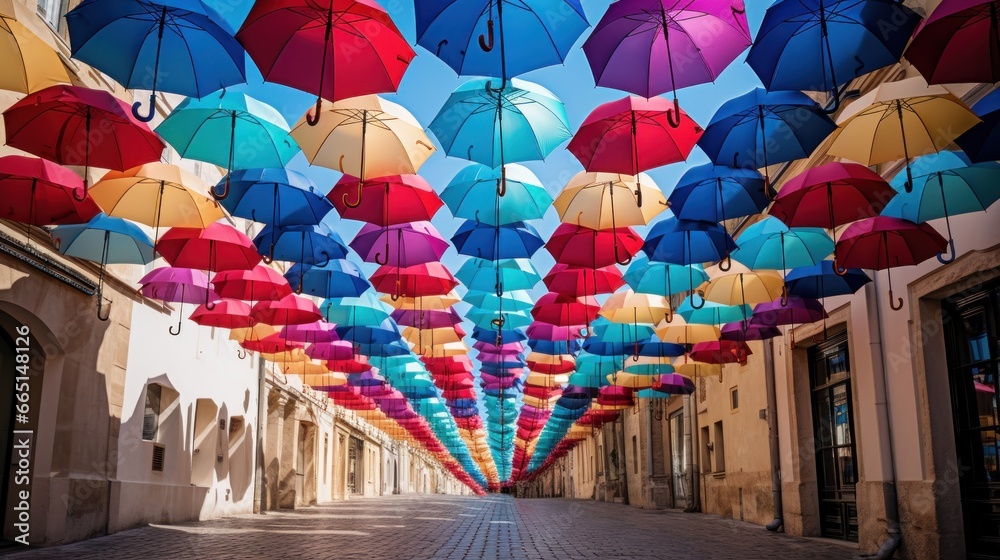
772,427
895,537
258,486
691,441
622,461
649,452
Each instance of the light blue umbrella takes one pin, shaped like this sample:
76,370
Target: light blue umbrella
481,274
711,313
510,122
471,194
664,279
771,245
229,129
485,318
512,300
944,185
364,310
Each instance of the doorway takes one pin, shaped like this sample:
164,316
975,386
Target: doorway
973,326
836,468
7,369
678,466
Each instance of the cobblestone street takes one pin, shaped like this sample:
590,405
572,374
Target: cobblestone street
443,527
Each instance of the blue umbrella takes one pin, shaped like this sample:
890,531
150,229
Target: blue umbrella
758,129
173,46
275,196
363,310
982,142
555,347
490,335
821,280
462,34
481,274
662,278
338,278
104,240
471,194
689,242
711,313
510,241
819,45
714,193
771,245
945,184
313,244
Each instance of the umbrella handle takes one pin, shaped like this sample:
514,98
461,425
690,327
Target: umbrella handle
83,190
325,262
486,41
210,305
268,259
701,297
836,267
502,183
638,196
895,303
951,253
669,316
241,353
619,260
103,313
225,190
312,118
784,296
152,109
738,11
727,266
356,203
674,116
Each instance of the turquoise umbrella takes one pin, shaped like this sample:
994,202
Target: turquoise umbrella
514,274
364,310
512,300
944,185
232,130
771,245
711,313
485,318
509,122
471,194
663,279
104,240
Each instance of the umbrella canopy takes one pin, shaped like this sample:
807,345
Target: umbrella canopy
957,43
819,45
278,197
714,193
158,195
225,314
73,125
583,281
469,36
126,39
404,245
634,134
679,331
429,279
946,185
831,195
632,307
771,245
745,288
259,283
481,274
823,280
337,278
900,120
982,142
104,240
512,300
575,245
662,278
29,63
229,129
558,309
509,241
745,331
609,200
355,311
684,365
38,192
794,311
217,247
315,244
881,243
687,242
472,194
513,122
695,309
649,47
179,285
289,310
334,49
720,352
432,319
412,199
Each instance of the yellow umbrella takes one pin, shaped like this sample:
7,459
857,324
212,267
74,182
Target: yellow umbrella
157,194
27,63
539,402
7,9
546,380
635,307
259,331
444,350
744,288
631,380
431,337
426,303
331,379
680,331
304,368
293,355
690,368
365,137
606,200
900,120
551,359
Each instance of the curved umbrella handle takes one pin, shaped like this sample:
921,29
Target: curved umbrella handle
210,305
669,315
502,183
152,109
784,297
674,116
768,191
225,190
103,313
618,259
499,322
269,257
485,41
325,262
836,267
728,264
356,203
83,197
738,11
895,303
638,195
951,253
241,353
180,315
698,306
394,297
312,118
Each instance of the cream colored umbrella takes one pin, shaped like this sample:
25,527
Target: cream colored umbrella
27,63
546,380
631,380
431,337
331,379
680,331
443,350
313,367
607,200
900,120
745,288
635,307
690,368
425,303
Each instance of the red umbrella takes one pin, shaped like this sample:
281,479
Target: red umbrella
412,199
257,284
579,246
217,247
634,134
958,43
226,314
557,309
430,279
358,364
38,192
334,49
582,281
564,366
720,352
271,344
289,310
74,125
882,243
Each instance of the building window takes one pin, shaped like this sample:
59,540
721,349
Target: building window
719,449
151,416
734,399
326,455
706,451
52,11
635,455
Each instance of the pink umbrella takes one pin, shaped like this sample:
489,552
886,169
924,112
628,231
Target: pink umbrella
318,332
404,245
226,314
327,351
289,310
429,319
177,285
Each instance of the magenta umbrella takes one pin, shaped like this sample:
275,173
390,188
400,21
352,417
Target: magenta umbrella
958,43
177,285
327,351
410,243
547,331
508,349
649,47
754,331
794,311
311,333
427,319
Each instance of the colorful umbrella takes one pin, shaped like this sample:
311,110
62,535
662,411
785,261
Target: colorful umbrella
289,310
711,313
178,285
771,245
822,280
432,319
575,245
720,352
881,243
462,34
819,45
427,279
793,312
73,125
334,49
412,199
278,197
40,193
472,194
400,244
29,63
125,40
607,200
337,278
511,300
259,283
365,309
761,128
662,278
315,244
232,130
957,43
217,247
481,274
742,289
508,241
649,47
224,314
743,332
981,142
900,120
946,185
578,281
715,193
688,242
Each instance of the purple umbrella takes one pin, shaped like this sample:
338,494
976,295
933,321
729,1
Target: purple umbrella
400,245
337,350
735,331
674,383
508,349
312,333
427,319
546,331
177,285
649,47
796,311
